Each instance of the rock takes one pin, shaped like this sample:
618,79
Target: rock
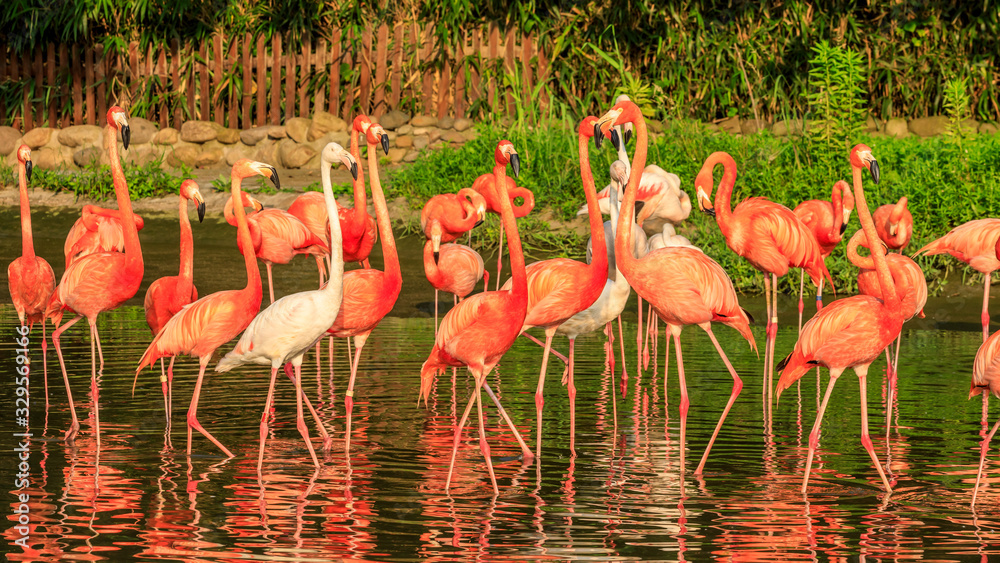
929,126
421,142
237,152
446,122
87,156
438,144
394,119
454,137
404,141
471,135
37,137
433,133
871,125
228,136
79,136
46,158
209,156
896,127
293,155
267,152
139,155
411,156
254,135
277,132
749,126
731,125
969,126
183,154
298,129
787,127
323,123
424,121
404,130
141,130
342,138
166,136
462,124
396,155
199,131
984,129
8,139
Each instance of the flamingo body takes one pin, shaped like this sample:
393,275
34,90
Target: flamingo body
664,200
973,242
97,230
485,184
894,224
457,269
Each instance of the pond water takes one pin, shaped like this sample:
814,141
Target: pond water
623,496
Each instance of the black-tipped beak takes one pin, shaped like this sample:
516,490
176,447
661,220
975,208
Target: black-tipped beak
515,163
843,228
615,139
437,256
598,135
479,222
873,168
274,178
201,211
126,135
385,143
627,134
354,170
710,211
27,170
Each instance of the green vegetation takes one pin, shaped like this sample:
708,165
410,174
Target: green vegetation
835,97
94,181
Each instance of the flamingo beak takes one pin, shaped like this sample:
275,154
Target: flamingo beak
257,206
274,177
126,135
615,139
201,206
843,228
873,169
705,207
384,139
515,164
598,134
892,229
27,170
351,164
627,133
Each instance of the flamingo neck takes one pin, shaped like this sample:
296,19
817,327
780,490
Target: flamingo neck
723,198
519,278
527,205
470,218
624,260
598,266
885,281
360,196
245,243
838,213
389,256
862,262
186,272
336,237
431,269
133,253
27,242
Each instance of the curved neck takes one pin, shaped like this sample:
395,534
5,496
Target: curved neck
360,197
336,240
527,205
465,196
391,260
519,278
431,269
27,244
187,244
624,260
889,296
862,262
599,262
243,234
133,254
723,198
837,201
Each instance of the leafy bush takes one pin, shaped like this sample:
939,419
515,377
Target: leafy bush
94,181
835,96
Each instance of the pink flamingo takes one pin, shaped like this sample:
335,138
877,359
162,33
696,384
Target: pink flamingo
102,281
293,324
894,224
31,279
445,217
698,290
454,268
168,295
767,234
369,294
277,236
201,327
851,332
311,210
487,187
97,230
480,329
828,221
560,288
986,380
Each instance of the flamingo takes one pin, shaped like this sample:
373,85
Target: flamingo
894,224
851,332
200,328
697,292
445,217
828,221
32,281
664,202
277,236
369,294
560,288
454,268
310,208
769,235
477,332
667,237
97,230
168,295
293,324
486,186
986,380
102,281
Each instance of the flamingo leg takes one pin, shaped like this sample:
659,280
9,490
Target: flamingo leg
484,446
319,264
270,281
264,416
609,346
552,351
300,421
802,290
94,391
435,311
525,451
986,334
650,326
163,388
819,295
638,342
666,363
539,399
814,435
327,440
982,460
192,416
45,365
571,389
675,331
74,426
774,338
359,343
866,439
737,387
458,434
893,378
170,392
621,345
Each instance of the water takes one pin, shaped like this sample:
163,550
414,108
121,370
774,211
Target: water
622,497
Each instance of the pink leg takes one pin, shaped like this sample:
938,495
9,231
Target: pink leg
819,296
609,347
638,340
737,387
170,392
270,281
327,440
571,389
666,363
552,351
263,418
499,259
74,426
685,402
45,364
300,421
163,389
359,342
192,416
435,311
621,345
525,451
483,444
774,337
320,265
986,306
539,400
802,290
94,391
458,436
982,460
866,439
767,332
814,435
650,327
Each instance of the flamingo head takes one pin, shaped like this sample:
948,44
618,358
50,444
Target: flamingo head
861,157
119,119
434,233
374,133
619,177
189,190
361,123
703,183
245,168
627,129
24,157
476,201
250,201
333,152
506,154
623,112
896,216
847,197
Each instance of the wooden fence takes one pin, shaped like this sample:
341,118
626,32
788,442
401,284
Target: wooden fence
245,81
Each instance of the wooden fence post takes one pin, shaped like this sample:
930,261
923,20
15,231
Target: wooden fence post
175,76
334,103
51,77
246,74
275,80
305,71
364,95
261,82
492,64
396,84
320,61
427,73
378,106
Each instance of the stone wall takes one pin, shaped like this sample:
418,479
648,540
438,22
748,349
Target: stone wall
297,143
